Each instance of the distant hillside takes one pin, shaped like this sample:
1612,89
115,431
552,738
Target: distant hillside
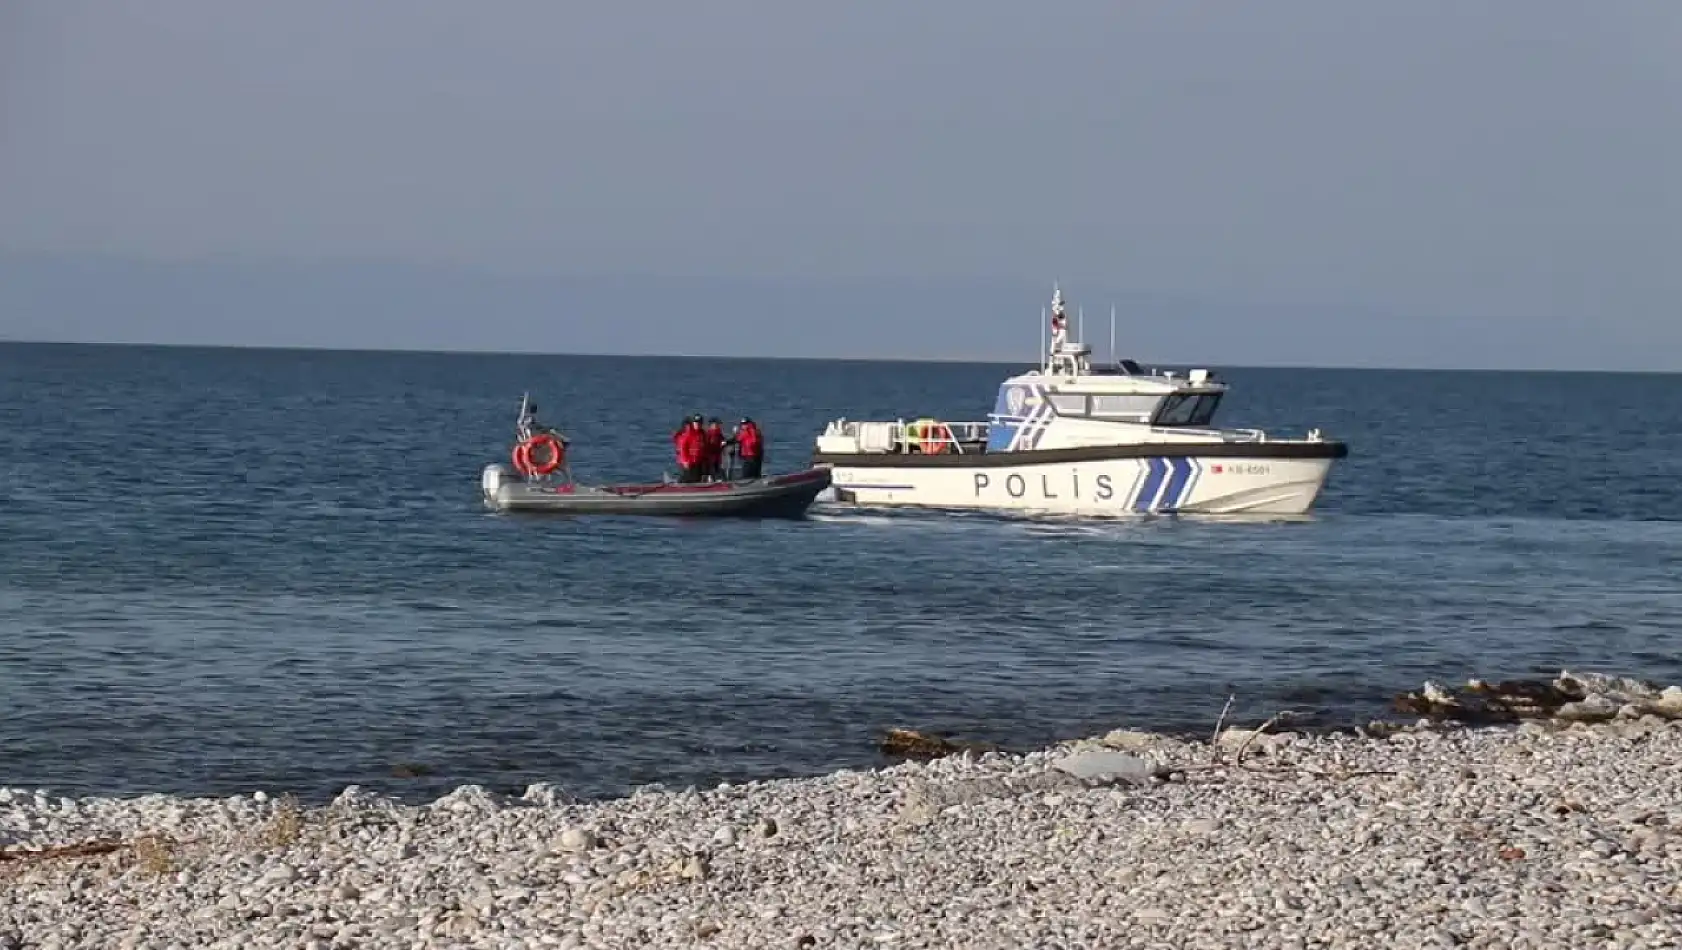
396,306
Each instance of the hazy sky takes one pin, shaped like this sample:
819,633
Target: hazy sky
1519,160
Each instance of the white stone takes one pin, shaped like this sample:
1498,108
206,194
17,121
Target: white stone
1104,766
576,839
1455,837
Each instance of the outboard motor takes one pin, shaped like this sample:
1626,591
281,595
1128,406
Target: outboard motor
492,479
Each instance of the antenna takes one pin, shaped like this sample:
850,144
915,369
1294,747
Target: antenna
1043,347
1112,336
1080,321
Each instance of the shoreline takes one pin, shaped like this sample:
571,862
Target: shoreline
1551,832
1566,698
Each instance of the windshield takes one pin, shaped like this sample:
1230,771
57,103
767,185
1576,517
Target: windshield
1187,410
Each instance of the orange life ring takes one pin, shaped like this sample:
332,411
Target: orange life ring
525,465
937,438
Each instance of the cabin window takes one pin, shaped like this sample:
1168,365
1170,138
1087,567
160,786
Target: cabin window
1068,405
1124,408
1187,409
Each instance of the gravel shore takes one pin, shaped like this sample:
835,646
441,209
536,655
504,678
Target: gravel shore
1541,835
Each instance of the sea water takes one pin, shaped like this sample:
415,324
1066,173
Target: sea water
225,570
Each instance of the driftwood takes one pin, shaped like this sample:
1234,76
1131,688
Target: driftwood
1220,721
84,849
1507,701
911,744
1269,724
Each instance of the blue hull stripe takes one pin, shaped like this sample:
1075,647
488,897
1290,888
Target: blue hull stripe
1177,484
1153,485
1191,486
1132,495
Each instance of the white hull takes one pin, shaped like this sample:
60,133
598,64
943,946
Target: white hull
1124,487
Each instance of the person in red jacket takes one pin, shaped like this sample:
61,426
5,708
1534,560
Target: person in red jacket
691,449
713,460
750,447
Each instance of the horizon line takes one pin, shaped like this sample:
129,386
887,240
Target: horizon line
934,360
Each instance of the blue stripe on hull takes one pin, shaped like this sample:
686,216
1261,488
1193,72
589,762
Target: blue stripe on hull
1177,484
1139,472
1153,484
1191,486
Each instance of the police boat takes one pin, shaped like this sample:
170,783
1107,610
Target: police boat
540,480
1068,437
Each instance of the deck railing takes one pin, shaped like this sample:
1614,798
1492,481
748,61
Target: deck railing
929,436
939,437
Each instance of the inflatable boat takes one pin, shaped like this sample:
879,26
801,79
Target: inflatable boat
775,496
541,480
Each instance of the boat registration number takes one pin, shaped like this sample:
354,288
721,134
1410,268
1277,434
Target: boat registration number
1240,468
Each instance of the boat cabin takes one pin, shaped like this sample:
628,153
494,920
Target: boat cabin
1097,408
1065,402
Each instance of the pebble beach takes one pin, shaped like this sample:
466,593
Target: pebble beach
1552,833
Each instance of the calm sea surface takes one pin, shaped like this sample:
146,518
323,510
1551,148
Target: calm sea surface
229,570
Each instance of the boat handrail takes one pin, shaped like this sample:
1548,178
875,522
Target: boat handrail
965,436
1224,433
948,436
896,436
1212,433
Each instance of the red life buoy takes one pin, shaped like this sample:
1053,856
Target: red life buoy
937,438
526,465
